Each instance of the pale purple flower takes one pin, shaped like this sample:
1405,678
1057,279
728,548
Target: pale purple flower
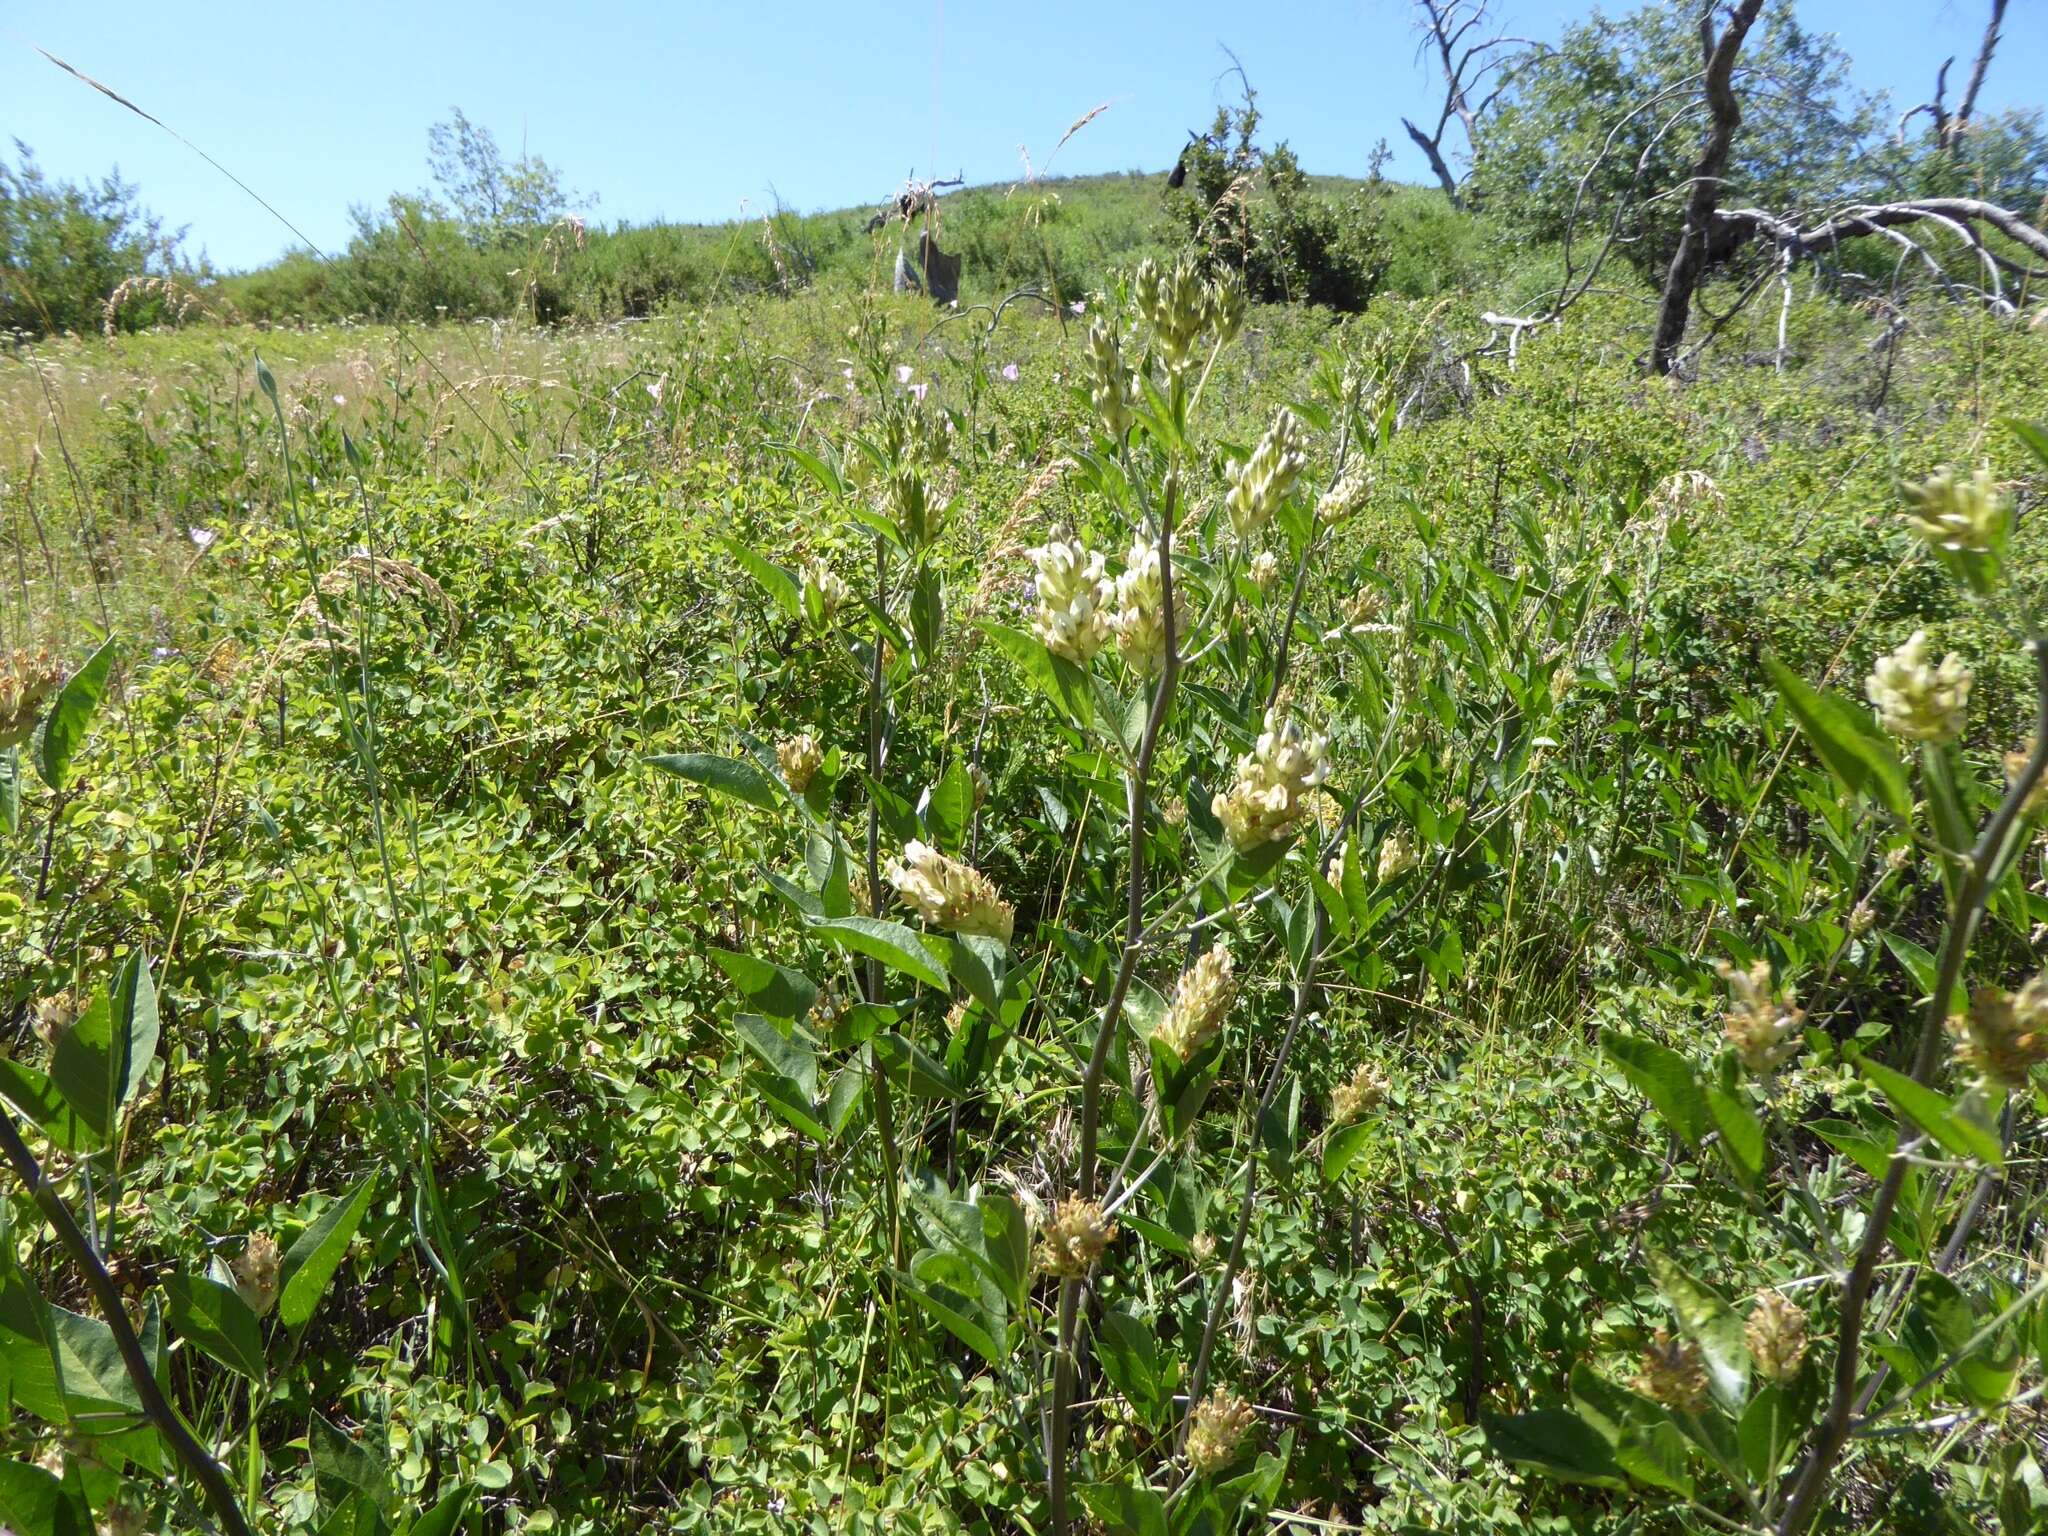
903,373
1078,307
1010,372
654,390
917,392
341,399
202,537
846,374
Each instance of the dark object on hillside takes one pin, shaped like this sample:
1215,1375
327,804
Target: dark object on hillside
934,273
1179,173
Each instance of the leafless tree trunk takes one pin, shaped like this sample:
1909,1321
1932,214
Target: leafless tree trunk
1447,26
1950,127
1690,259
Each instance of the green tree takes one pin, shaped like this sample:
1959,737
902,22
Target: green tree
66,246
1603,133
491,196
1254,209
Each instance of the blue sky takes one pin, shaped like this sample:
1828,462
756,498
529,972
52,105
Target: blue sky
682,111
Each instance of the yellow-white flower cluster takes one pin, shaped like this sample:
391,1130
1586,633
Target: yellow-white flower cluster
1964,515
1260,483
948,893
1201,1000
821,581
1175,304
1111,389
1217,1430
1346,496
258,1272
1915,698
27,679
1139,619
799,758
2005,1034
1264,567
1272,781
1073,600
1074,1237
1397,856
1359,1096
1763,1028
1776,1334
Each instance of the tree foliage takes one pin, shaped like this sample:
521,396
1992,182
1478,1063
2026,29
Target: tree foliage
65,246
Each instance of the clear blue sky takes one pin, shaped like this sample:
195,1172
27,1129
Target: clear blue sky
682,111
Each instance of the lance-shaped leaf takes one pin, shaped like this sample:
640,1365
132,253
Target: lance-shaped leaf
726,775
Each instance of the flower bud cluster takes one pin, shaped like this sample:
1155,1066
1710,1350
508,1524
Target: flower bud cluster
27,679
1073,600
1763,1028
948,893
1260,483
1201,1000
1957,514
1075,1237
1916,699
1272,781
2005,1034
1139,620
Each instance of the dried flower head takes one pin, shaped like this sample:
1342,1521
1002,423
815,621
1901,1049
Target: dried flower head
825,591
949,894
1139,619
2036,801
799,758
222,662
1259,484
1763,1027
1074,1237
121,1516
1359,1096
1962,515
1674,1373
1397,856
27,679
1073,600
1686,491
1111,390
56,1014
1272,781
2005,1034
1217,1430
1201,999
1776,1331
1916,699
257,1271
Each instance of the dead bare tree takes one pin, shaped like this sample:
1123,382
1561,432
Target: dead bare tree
1467,66
1950,127
1724,118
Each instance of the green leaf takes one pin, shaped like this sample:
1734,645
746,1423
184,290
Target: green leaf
34,1503
1645,1441
1054,676
949,807
445,1518
2032,433
896,946
214,1317
1936,1114
1129,1352
1742,1134
311,1261
1665,1078
1125,1509
10,789
65,727
780,585
978,964
1555,1442
726,775
1844,739
962,1317
790,1084
820,469
912,1068
1708,1320
345,1468
775,990
36,1096
100,1062
90,1374
1342,1148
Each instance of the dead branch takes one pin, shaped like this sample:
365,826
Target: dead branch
1446,26
1690,259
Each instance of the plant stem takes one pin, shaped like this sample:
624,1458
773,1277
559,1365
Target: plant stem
1066,1363
220,1494
1971,900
